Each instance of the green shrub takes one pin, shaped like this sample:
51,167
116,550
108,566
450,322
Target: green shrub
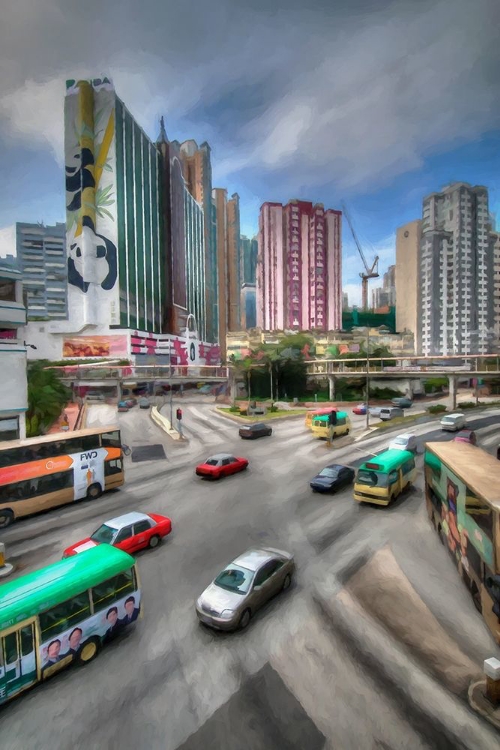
384,393
235,409
273,408
466,405
436,409
243,412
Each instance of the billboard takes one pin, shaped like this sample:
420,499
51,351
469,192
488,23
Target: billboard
95,346
91,221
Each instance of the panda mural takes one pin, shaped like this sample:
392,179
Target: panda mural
91,233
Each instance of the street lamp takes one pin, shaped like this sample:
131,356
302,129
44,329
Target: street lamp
31,346
367,378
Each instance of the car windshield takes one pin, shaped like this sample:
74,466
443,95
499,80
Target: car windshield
235,579
104,534
372,478
332,473
400,441
212,462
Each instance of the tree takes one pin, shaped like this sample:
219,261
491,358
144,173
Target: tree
47,396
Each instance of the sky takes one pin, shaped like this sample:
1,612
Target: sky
372,102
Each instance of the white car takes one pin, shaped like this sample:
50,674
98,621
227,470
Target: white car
405,442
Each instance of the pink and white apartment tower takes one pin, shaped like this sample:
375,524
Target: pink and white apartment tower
299,269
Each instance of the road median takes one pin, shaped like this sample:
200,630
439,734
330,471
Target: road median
164,424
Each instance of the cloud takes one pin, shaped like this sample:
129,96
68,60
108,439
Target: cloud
8,241
293,98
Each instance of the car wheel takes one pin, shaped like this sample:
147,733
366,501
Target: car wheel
270,433
89,651
245,619
94,491
6,518
154,541
287,582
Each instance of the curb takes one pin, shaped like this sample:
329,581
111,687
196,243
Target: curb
243,420
164,424
428,706
479,702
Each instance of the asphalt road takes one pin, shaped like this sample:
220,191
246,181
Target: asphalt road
171,683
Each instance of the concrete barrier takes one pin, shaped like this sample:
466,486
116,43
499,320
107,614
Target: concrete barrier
164,424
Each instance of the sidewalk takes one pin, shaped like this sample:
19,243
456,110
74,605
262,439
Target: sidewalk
71,411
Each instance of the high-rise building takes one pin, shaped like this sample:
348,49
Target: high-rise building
233,263
345,301
195,261
219,202
14,391
117,274
41,255
248,307
406,276
197,169
385,296
299,275
495,239
249,252
456,273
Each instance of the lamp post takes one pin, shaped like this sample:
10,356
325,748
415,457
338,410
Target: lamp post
368,379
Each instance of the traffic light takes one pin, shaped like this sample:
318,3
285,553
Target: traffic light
179,415
332,418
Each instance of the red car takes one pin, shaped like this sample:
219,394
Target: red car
359,409
131,532
221,465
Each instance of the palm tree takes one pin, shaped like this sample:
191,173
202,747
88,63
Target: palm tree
47,396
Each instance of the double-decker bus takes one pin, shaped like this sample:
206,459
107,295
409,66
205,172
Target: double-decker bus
63,614
44,472
463,502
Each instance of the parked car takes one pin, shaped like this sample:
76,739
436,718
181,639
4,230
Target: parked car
256,430
131,401
466,436
243,587
123,406
144,403
453,422
332,478
130,532
403,403
390,412
404,442
359,409
221,465
375,411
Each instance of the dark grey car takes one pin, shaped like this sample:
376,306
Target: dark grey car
243,587
256,430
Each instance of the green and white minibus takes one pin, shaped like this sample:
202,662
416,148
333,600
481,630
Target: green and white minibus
64,613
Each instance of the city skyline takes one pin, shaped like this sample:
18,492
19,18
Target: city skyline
272,130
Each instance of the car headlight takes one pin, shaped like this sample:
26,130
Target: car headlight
227,614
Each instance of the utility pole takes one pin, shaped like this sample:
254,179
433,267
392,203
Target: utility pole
368,379
171,405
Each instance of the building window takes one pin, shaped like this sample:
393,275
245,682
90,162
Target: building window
7,291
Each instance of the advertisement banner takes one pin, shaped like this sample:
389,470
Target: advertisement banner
95,346
458,525
63,648
91,221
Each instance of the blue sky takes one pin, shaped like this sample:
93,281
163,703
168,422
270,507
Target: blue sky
374,102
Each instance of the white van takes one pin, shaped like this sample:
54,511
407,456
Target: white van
453,422
391,412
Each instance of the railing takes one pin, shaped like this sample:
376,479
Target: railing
144,372
456,364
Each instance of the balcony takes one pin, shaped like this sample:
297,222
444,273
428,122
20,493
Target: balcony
13,313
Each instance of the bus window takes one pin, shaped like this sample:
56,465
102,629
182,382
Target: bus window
26,640
408,466
10,648
64,615
111,439
113,467
480,512
37,486
110,591
393,477
81,444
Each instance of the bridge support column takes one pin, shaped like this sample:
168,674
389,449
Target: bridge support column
452,380
331,387
232,384
119,390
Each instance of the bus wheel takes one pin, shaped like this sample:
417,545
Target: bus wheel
6,518
94,491
89,651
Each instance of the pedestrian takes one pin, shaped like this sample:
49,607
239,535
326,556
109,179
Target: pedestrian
65,423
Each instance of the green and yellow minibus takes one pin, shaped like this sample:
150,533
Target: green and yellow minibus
321,428
384,477
63,613
312,413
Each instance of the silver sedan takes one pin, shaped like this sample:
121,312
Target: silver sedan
243,587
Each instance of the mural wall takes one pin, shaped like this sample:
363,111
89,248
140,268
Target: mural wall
91,226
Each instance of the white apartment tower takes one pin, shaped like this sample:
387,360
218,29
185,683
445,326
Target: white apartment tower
456,310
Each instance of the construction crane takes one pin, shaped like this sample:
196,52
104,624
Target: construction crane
369,273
